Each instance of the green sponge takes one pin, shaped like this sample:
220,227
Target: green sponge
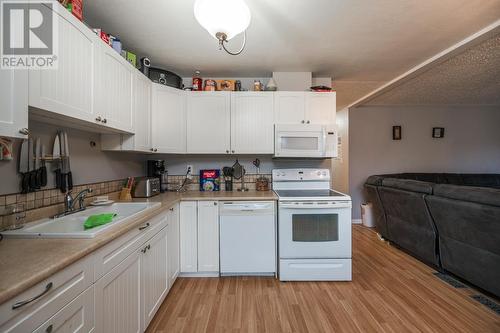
98,220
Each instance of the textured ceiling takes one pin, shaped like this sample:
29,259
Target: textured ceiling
350,40
469,78
349,91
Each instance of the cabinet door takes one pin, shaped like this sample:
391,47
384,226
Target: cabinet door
189,235
169,119
173,245
320,108
154,275
208,236
252,123
115,78
13,103
76,317
142,112
117,298
69,89
208,122
289,107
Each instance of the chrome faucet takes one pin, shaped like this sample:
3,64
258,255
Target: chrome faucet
69,202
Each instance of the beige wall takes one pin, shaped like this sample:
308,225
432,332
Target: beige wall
471,143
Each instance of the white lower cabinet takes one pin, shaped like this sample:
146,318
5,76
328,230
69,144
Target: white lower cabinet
199,234
208,236
76,317
117,288
173,245
189,236
154,275
118,298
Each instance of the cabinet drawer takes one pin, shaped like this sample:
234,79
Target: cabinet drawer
76,317
48,297
115,252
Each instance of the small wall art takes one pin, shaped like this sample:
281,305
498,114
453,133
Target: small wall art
396,133
438,132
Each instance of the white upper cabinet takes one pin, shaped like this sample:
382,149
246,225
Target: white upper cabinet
208,236
142,112
305,107
114,95
289,107
252,123
69,89
168,119
14,103
208,122
320,107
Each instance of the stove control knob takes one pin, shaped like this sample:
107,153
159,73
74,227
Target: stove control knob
324,173
319,173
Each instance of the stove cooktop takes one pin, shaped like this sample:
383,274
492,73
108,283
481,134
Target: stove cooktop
311,195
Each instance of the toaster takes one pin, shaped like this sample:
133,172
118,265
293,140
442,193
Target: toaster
146,187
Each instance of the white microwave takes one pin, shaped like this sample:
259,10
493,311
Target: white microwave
313,141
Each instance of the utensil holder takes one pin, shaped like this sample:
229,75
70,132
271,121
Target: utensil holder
125,194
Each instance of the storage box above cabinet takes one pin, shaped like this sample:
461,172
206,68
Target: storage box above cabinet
305,107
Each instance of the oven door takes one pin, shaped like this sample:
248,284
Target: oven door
300,141
315,230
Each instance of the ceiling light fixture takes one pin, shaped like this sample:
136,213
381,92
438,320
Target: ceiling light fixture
223,19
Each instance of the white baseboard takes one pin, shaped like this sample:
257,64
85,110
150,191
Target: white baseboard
357,221
199,275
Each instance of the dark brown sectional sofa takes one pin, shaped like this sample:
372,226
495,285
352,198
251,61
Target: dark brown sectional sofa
451,221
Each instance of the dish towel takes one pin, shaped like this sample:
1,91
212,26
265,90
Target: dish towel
98,220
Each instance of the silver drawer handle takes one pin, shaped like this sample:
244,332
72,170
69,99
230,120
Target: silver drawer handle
23,303
144,227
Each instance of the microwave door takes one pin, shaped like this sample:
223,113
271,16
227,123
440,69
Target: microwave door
300,144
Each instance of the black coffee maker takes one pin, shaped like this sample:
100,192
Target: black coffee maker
157,169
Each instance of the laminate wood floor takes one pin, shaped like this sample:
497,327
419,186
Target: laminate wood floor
390,292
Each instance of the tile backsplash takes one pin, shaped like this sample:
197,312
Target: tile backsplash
50,198
194,185
44,203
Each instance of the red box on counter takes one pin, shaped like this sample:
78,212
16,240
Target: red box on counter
77,9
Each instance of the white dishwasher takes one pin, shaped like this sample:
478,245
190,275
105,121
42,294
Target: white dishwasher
247,238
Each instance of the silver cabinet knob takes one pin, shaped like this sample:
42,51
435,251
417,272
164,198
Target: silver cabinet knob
308,122
152,149
303,121
227,151
215,203
24,131
104,120
156,150
232,151
98,118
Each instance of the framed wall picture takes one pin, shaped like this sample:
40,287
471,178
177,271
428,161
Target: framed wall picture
396,133
438,132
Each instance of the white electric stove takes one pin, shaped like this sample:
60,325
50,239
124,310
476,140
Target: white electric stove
314,225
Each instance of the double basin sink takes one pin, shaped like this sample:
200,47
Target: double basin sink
71,226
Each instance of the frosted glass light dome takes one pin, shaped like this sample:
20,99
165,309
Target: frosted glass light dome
227,16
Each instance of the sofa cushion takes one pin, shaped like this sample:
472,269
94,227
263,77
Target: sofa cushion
408,185
482,195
